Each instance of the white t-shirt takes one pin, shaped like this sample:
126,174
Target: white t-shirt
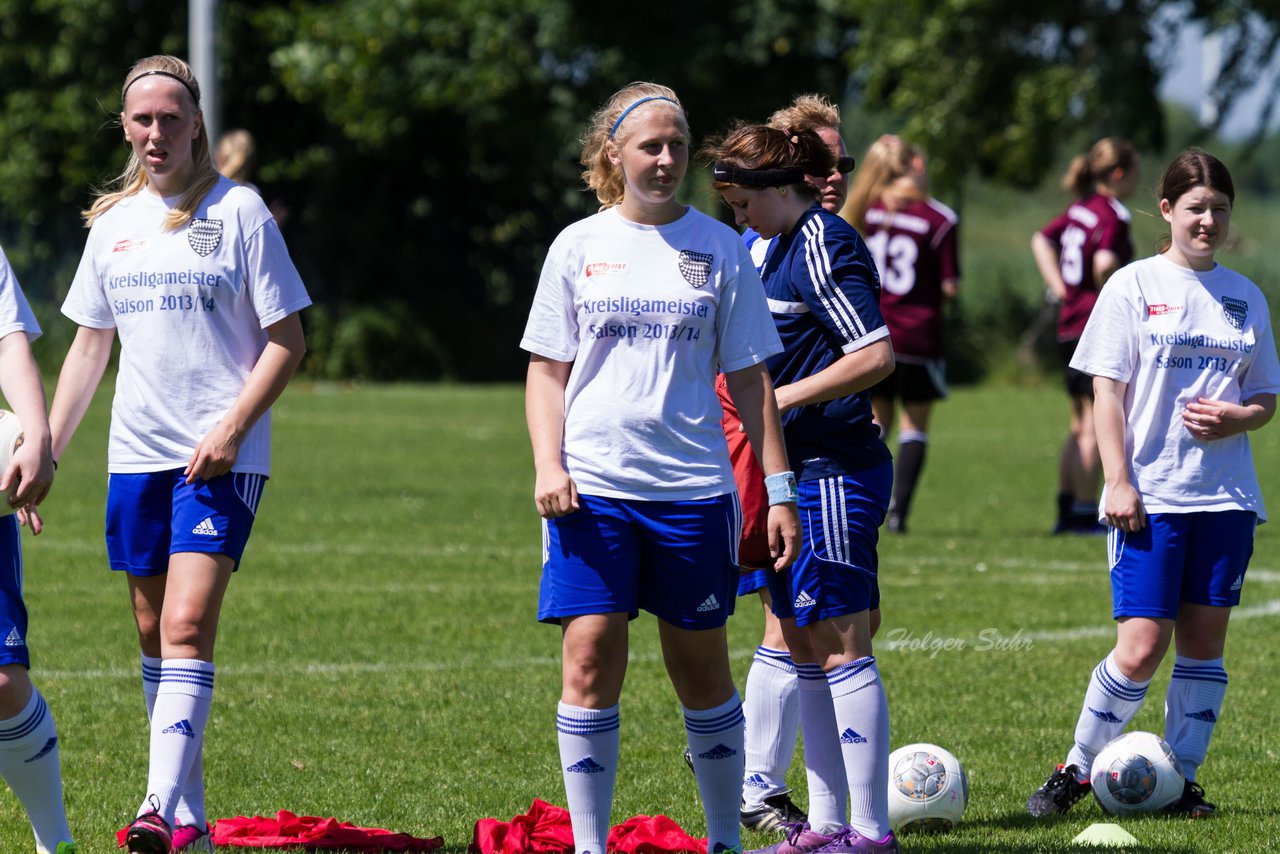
191,308
15,311
648,315
1175,335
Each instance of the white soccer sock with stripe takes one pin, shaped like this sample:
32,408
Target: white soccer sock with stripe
772,709
824,766
862,719
178,720
1191,709
589,762
190,808
716,743
29,764
1110,702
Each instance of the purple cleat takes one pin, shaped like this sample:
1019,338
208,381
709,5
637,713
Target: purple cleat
801,839
849,841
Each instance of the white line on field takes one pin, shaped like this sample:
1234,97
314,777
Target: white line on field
906,642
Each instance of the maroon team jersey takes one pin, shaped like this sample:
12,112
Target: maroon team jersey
1080,232
915,250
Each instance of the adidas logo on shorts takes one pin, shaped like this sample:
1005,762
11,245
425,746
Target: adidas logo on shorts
711,604
1238,583
14,638
205,528
804,600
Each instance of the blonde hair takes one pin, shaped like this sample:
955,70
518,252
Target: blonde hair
807,112
599,173
235,155
134,180
888,159
1087,170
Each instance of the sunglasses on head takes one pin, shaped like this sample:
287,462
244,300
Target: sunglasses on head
844,165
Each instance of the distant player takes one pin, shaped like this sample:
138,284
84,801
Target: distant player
771,704
1076,253
637,309
191,269
914,241
29,759
1183,360
822,288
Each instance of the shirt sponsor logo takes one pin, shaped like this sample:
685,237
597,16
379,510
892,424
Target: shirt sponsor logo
126,245
603,268
1162,308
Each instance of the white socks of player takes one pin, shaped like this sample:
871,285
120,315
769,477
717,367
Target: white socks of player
1191,709
178,720
29,764
1110,702
589,762
862,719
823,766
191,802
719,756
772,708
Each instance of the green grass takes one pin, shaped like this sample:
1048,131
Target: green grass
380,662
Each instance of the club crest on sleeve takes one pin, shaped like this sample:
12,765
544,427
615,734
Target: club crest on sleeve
695,267
204,235
1236,310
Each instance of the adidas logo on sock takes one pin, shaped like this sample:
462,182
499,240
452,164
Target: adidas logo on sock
712,604
804,600
205,528
1205,715
1238,583
851,737
755,781
14,638
44,751
585,766
182,727
720,751
1107,715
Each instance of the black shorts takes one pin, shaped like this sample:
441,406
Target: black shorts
1078,384
914,382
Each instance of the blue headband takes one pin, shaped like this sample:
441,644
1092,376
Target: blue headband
614,129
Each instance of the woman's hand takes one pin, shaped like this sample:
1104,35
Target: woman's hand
784,535
1123,507
215,455
1207,420
555,494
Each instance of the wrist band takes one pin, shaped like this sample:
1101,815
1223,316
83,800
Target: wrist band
782,488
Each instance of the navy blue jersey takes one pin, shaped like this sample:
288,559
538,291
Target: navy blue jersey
824,294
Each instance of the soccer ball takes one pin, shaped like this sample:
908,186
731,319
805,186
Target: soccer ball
928,789
10,440
1136,772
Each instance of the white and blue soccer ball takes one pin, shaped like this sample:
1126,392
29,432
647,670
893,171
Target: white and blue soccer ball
928,789
1136,772
11,437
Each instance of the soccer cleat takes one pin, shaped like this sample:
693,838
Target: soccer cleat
189,839
67,848
1192,803
849,841
149,834
1058,794
775,813
688,760
721,848
801,839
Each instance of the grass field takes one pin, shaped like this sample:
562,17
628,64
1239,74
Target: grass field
380,662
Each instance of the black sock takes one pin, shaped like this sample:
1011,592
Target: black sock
911,454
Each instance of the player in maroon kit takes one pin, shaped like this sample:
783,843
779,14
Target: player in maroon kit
913,239
1076,253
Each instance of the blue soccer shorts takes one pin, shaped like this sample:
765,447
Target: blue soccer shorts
13,611
678,560
835,573
152,515
752,580
1199,558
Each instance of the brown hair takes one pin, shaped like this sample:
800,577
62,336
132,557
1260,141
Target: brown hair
599,173
1086,170
235,155
1190,169
755,147
134,178
889,158
807,112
